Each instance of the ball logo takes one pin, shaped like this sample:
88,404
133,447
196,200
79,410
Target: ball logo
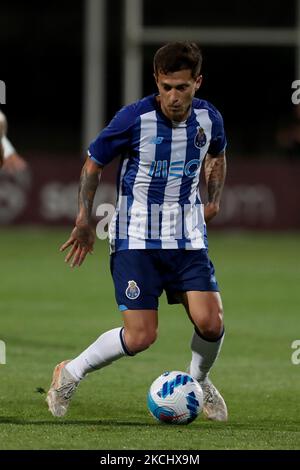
200,138
133,291
169,386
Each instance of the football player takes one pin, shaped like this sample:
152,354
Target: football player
158,234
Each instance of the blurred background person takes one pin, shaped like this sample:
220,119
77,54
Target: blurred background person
12,162
2,129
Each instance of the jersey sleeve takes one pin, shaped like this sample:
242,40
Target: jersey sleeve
8,148
114,139
218,138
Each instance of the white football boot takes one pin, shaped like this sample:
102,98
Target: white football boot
61,390
214,406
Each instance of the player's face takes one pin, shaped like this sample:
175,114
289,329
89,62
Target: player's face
176,92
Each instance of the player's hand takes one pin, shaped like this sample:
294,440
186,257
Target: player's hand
210,211
82,241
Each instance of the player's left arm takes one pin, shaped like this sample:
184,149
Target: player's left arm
215,173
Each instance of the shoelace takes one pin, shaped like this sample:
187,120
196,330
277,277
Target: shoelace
208,394
67,390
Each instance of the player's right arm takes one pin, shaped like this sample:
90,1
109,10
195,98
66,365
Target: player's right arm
111,142
83,235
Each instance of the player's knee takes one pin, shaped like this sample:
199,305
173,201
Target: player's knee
211,331
141,340
211,326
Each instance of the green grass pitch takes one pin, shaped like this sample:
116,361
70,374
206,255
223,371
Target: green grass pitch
50,313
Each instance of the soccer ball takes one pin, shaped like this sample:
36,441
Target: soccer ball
175,398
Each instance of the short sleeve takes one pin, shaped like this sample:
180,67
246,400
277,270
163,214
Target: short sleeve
8,148
218,138
114,139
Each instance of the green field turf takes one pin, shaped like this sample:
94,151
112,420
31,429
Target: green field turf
50,313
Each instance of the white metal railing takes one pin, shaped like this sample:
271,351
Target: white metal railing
136,36
94,69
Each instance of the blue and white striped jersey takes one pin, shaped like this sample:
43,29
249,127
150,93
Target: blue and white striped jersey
158,203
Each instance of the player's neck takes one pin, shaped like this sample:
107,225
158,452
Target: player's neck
178,120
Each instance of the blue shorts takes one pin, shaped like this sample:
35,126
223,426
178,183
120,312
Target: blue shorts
140,276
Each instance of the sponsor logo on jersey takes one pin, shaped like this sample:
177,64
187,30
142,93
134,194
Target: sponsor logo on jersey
156,140
176,169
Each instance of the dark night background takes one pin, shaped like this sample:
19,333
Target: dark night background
42,65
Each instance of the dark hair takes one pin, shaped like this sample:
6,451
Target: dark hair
178,56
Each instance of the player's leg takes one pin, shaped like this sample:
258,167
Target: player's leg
206,312
140,329
138,333
196,287
137,285
68,374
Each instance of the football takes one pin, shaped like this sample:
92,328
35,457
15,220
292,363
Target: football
175,398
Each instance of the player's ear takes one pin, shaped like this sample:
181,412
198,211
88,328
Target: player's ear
199,81
155,78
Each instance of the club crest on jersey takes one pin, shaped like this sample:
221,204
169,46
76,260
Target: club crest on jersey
200,138
133,291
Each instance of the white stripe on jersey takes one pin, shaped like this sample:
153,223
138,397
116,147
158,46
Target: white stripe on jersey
138,226
194,221
120,211
171,225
